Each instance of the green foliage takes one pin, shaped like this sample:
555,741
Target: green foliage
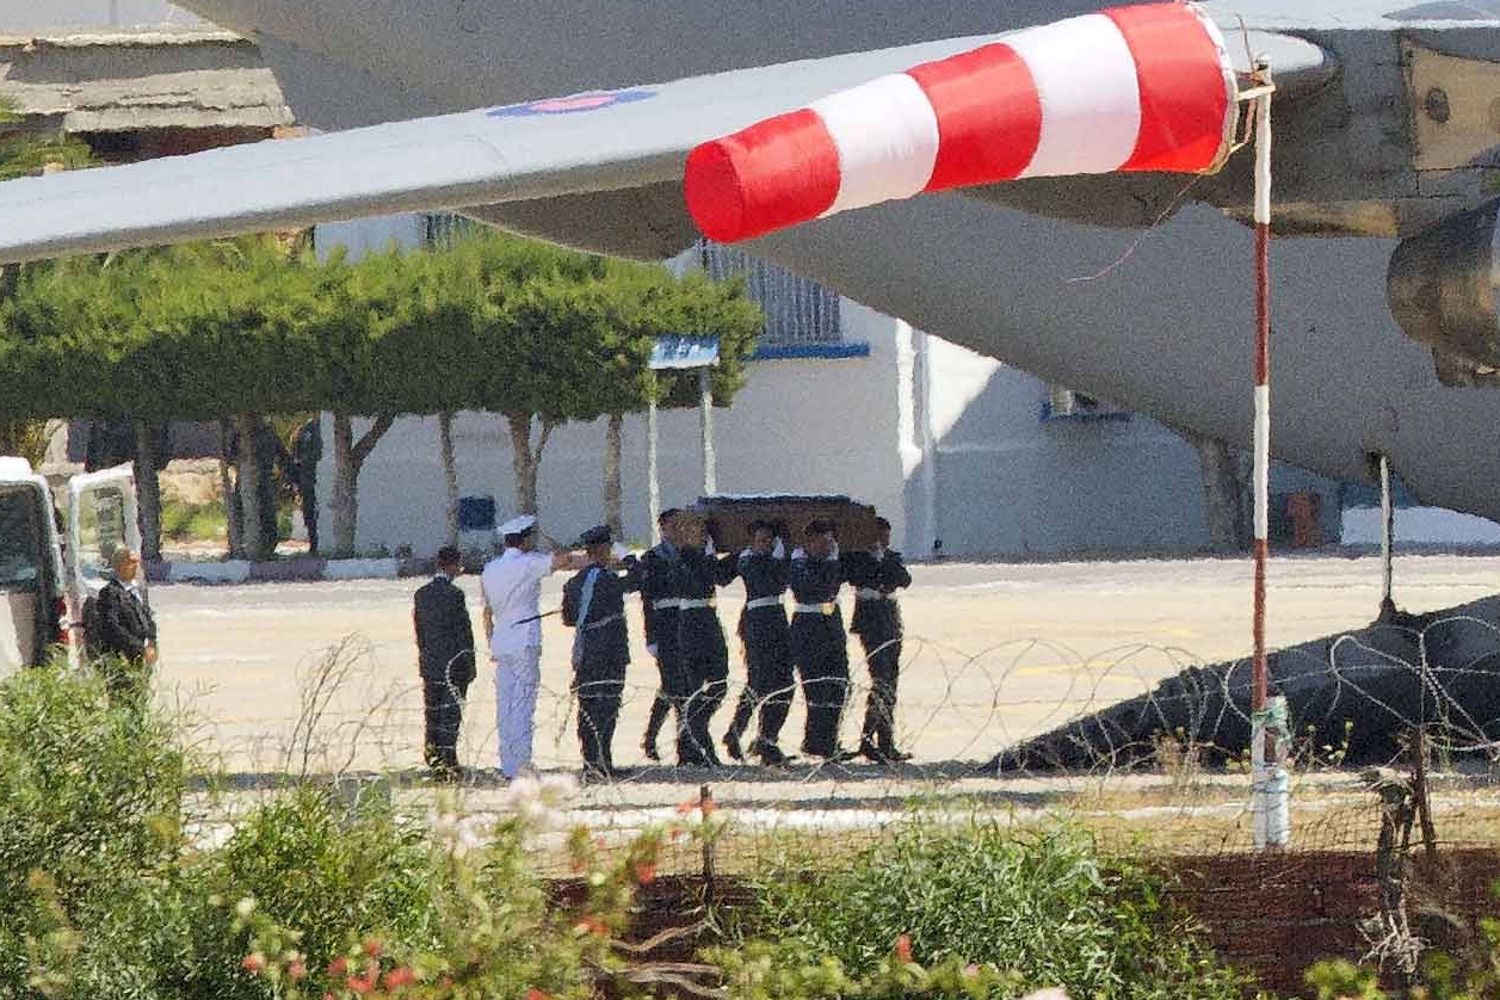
183,521
494,323
1474,975
24,154
1046,905
90,813
107,892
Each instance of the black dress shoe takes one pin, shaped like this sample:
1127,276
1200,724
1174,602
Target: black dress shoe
732,746
874,754
770,755
896,756
648,747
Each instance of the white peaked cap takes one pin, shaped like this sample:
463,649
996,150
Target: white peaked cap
517,525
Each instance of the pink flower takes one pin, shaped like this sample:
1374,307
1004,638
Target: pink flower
339,967
399,977
372,948
903,949
359,985
253,962
536,994
297,970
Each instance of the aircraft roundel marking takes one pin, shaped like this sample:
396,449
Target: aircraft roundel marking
591,101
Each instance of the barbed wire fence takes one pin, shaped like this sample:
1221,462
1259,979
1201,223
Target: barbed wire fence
1144,745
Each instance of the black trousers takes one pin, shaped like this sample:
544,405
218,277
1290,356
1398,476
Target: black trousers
443,702
598,711
673,688
883,658
821,654
705,667
770,677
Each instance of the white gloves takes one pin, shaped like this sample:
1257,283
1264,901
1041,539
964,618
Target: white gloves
833,553
708,546
746,551
618,551
778,551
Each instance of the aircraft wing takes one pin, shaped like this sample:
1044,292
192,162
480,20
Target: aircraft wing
594,142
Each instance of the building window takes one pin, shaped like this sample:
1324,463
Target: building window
799,311
1062,403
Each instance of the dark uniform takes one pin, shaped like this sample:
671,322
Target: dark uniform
768,653
877,622
445,650
704,655
122,626
819,649
594,604
655,576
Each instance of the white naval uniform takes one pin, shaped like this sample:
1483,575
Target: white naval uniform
512,586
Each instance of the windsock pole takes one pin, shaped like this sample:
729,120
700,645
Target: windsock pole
1270,805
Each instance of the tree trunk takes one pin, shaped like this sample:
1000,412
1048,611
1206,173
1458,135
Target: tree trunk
1222,493
232,522
252,491
613,488
348,457
525,458
450,473
148,488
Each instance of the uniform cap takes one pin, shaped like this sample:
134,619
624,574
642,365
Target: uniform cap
517,525
597,535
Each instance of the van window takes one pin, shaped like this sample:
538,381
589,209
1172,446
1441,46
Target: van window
101,530
22,539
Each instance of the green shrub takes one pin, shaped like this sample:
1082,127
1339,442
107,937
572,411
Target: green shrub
90,813
181,521
1045,906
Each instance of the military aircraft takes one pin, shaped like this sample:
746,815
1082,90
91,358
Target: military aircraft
1133,288
1384,129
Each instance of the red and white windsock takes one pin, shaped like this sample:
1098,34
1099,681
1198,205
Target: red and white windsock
1147,87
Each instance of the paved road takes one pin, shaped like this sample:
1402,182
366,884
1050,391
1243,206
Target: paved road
994,653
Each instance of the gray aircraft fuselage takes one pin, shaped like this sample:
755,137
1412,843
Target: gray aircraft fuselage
1399,137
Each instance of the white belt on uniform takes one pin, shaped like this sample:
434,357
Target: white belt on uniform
871,594
689,604
763,602
826,608
666,604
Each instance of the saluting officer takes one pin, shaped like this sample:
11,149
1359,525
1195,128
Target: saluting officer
655,576
768,655
594,605
818,641
877,575
700,639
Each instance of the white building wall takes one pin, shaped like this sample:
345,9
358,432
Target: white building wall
1013,484
805,426
29,15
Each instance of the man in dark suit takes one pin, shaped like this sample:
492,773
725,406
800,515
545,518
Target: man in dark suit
124,632
445,649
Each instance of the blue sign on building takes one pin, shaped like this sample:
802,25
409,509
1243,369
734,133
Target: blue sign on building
676,351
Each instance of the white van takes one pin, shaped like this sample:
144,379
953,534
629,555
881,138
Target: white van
44,586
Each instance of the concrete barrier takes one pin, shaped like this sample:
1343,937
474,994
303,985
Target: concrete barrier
230,571
361,569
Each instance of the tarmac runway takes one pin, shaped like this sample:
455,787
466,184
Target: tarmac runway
994,653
